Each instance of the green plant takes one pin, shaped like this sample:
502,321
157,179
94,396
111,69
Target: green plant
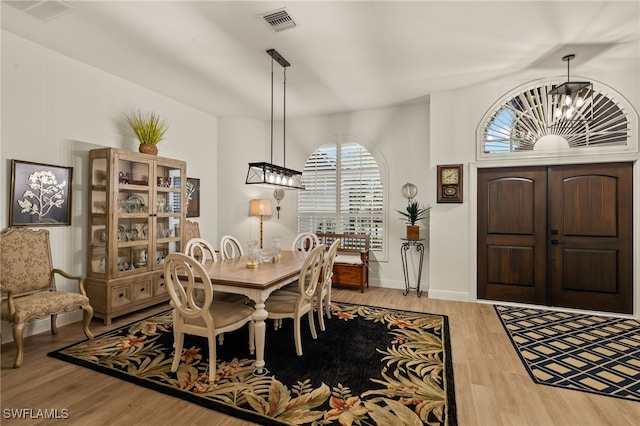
148,127
414,213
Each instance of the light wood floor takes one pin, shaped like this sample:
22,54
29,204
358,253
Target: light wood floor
492,387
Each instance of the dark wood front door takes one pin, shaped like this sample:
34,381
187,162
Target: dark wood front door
558,236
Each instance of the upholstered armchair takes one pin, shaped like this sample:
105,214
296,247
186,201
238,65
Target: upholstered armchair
27,284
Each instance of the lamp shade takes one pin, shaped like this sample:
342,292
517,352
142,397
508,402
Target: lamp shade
260,208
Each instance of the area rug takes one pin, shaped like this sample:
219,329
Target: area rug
589,353
372,365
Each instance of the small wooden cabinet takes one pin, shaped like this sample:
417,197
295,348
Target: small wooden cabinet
136,218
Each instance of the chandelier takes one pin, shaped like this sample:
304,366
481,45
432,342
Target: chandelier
572,100
269,174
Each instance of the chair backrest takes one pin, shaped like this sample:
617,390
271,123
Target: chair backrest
327,267
201,250
310,273
25,261
181,273
230,247
305,241
191,230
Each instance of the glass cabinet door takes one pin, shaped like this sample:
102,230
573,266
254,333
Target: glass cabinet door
134,212
168,208
98,208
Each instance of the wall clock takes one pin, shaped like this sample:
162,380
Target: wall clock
450,183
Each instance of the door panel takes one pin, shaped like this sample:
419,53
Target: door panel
591,262
511,234
558,236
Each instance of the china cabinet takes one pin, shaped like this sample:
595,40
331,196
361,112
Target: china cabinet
136,217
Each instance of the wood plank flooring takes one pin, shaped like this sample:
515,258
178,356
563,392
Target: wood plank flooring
492,387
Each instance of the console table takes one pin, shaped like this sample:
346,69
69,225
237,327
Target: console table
406,246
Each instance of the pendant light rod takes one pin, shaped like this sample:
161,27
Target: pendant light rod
567,59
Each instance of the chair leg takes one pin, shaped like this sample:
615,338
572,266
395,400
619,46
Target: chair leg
178,341
88,314
17,338
312,325
221,338
296,335
321,314
212,359
54,325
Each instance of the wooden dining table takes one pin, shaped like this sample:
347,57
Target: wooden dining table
233,276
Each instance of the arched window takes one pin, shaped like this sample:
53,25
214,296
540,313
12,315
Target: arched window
523,121
343,192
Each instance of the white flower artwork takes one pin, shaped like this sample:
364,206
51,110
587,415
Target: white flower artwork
44,194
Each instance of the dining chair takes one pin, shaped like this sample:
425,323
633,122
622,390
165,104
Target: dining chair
305,241
28,285
230,247
208,318
323,293
288,304
201,250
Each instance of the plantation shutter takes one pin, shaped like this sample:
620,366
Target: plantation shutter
343,193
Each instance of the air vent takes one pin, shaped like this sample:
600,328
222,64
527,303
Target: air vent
279,20
42,10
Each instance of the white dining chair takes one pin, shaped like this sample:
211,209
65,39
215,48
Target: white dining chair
305,241
201,250
288,304
323,293
208,318
230,247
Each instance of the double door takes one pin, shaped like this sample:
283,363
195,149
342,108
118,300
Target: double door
557,236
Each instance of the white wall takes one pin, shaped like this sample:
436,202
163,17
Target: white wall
55,109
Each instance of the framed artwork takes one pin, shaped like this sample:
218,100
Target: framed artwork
40,194
450,183
193,197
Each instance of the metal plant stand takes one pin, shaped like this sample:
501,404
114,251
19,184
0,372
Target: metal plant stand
406,246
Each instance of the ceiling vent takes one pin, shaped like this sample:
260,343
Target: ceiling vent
42,10
279,20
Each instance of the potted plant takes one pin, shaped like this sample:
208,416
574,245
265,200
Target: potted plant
149,128
413,214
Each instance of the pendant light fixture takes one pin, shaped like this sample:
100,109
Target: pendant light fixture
269,174
571,101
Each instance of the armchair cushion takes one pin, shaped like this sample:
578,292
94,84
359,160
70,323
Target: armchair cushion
41,305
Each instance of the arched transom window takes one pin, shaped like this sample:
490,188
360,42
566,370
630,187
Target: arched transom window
527,120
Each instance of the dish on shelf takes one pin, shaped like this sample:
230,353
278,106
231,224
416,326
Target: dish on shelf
103,236
135,204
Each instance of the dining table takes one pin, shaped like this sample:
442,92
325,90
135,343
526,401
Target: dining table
257,283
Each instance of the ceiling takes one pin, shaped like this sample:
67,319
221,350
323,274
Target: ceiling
344,55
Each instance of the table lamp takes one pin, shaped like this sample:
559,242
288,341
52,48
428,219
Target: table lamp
260,208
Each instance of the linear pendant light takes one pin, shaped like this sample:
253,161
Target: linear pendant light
269,174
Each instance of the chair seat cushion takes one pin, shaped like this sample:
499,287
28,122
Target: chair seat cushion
350,259
281,302
41,305
224,314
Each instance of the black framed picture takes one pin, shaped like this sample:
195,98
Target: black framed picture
193,197
40,194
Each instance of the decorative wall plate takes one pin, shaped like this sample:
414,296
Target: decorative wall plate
135,204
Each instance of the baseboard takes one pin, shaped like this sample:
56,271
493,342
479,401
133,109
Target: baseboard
455,296
38,326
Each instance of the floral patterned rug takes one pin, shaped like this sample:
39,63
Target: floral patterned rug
371,366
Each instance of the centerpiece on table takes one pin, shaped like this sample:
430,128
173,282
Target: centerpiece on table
149,128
